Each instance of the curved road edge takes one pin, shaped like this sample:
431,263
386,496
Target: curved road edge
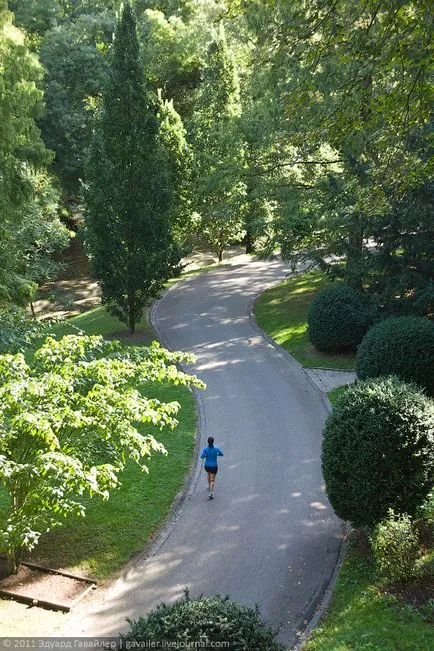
317,607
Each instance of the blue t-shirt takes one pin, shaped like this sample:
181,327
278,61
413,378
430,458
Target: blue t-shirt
210,455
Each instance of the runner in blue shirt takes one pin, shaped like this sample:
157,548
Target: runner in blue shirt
210,454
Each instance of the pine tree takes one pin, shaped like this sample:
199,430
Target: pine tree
129,193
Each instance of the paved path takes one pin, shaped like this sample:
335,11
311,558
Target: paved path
270,535
326,379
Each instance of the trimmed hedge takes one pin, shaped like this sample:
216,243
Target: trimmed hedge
204,620
402,346
339,318
378,450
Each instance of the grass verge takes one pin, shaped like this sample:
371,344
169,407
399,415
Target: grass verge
282,312
363,616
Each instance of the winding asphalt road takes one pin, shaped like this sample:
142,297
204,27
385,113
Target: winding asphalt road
270,535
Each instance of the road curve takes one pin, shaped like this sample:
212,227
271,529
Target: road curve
270,535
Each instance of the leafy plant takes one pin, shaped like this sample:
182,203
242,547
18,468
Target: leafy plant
339,318
402,346
205,620
18,329
378,450
68,425
396,546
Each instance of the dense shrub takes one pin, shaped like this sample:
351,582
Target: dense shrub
378,450
204,620
403,346
339,318
396,547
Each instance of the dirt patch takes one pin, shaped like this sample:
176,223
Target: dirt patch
417,593
40,586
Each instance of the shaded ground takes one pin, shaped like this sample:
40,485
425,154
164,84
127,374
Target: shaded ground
75,292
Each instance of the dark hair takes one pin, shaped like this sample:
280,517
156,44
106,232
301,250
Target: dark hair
211,441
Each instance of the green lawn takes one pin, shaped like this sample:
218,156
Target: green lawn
114,530
282,312
98,322
362,617
335,393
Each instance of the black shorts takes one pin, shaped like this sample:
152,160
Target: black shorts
212,469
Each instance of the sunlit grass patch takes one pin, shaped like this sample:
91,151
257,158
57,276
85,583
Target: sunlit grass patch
361,616
282,312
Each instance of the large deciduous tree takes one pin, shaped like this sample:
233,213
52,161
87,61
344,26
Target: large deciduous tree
218,155
69,421
29,226
354,85
129,187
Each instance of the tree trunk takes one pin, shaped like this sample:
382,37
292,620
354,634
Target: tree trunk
220,255
249,241
32,309
131,321
354,267
14,558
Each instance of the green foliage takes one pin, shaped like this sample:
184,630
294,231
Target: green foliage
351,85
69,422
362,616
339,318
206,620
402,346
378,450
129,189
172,135
74,54
216,176
396,547
24,187
18,330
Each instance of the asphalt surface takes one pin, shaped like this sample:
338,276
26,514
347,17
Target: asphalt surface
269,536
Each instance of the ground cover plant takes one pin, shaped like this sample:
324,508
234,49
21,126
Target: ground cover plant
282,312
367,613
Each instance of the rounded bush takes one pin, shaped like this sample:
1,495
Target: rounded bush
378,450
396,547
402,346
204,620
339,318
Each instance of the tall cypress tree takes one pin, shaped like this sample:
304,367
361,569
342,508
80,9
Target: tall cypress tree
128,194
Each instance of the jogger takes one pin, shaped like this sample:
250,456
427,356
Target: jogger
210,454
